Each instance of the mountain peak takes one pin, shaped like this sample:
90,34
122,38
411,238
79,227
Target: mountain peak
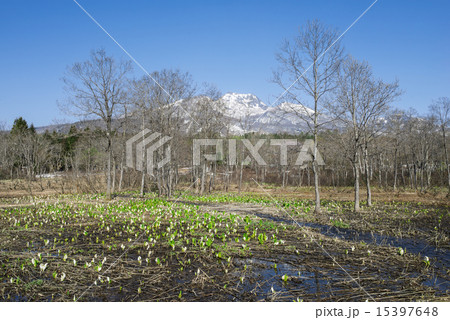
295,108
246,98
241,105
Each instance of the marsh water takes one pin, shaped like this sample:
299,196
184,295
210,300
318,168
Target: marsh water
439,256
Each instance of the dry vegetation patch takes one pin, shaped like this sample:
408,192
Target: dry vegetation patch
148,249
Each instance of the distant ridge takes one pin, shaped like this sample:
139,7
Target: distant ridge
244,111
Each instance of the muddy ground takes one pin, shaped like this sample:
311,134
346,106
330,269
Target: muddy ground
303,258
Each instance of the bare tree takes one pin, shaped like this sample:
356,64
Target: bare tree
6,158
207,110
159,99
96,88
361,103
376,106
349,108
396,139
441,110
141,97
309,64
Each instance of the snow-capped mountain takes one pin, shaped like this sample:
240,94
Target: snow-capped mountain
243,113
247,113
238,105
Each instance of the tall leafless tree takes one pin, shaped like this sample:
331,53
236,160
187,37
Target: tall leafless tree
377,102
309,64
208,122
96,88
396,138
361,104
159,99
441,110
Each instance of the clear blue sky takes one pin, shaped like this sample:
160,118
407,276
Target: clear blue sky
228,43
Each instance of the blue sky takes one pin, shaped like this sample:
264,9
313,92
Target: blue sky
231,44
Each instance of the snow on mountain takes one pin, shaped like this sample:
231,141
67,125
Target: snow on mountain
248,113
295,109
239,106
244,113
286,112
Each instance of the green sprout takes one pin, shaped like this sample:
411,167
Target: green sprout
426,260
262,237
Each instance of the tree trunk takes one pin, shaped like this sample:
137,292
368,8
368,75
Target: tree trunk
202,188
142,184
108,178
169,182
264,174
240,176
214,176
403,176
210,184
395,170
113,187
121,176
144,171
369,191
316,174
300,176
356,172
308,172
446,157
